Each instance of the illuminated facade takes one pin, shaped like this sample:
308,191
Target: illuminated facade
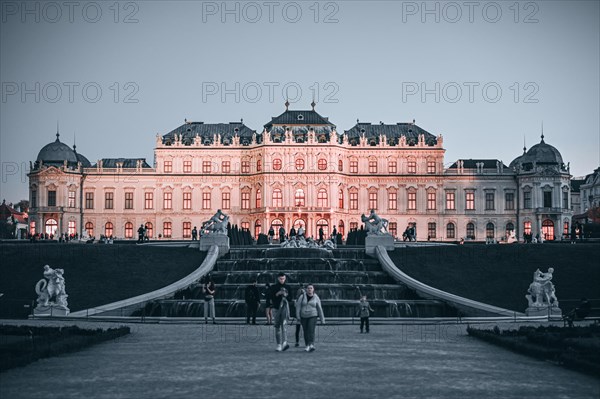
299,170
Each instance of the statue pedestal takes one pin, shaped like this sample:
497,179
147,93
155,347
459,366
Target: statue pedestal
50,311
385,240
543,311
220,240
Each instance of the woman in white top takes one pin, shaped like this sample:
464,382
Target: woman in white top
308,308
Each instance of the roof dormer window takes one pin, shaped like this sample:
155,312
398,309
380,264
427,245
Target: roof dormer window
300,117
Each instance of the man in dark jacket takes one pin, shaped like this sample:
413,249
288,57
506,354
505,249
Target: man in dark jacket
279,293
252,296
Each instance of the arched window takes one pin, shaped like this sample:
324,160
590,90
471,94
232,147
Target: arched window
527,227
32,228
277,164
258,198
322,201
489,230
277,198
108,229
128,230
510,229
167,229
566,228
322,164
548,229
259,165
341,227
299,198
299,164
149,229
51,226
89,228
299,223
72,227
340,166
470,231
341,199
450,230
276,224
257,228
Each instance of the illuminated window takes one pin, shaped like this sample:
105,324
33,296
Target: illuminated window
226,201
187,166
393,229
527,227
149,229
89,228
412,167
167,229
373,200
322,200
353,166
322,164
187,200
372,166
206,201
341,199
168,166
450,201
470,201
299,164
411,199
148,200
206,168
392,200
187,229
168,200
72,229
353,200
258,198
108,229
128,230
245,166
431,167
226,166
431,198
299,197
392,167
245,200
277,198
277,164
257,228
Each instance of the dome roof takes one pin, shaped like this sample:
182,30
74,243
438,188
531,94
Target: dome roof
56,153
540,153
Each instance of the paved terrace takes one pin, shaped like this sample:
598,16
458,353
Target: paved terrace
193,360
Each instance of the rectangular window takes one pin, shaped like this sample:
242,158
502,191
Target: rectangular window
187,166
71,199
129,200
372,200
547,199
509,201
187,200
354,201
168,166
167,229
226,166
353,166
206,201
470,201
372,166
245,166
450,201
34,198
148,200
108,200
431,230
393,229
353,226
431,198
246,200
392,200
527,199
206,167
411,201
187,229
565,200
226,201
168,200
392,167
277,198
258,199
412,167
489,202
431,167
51,198
72,229
566,229
527,227
89,200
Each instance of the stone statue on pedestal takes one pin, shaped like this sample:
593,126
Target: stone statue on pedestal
217,224
52,296
541,294
374,225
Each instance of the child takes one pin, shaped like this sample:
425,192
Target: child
364,310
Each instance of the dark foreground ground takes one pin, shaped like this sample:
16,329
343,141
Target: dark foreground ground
235,361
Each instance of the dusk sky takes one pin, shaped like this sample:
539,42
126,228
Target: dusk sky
485,75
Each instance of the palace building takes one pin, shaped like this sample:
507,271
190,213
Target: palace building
299,170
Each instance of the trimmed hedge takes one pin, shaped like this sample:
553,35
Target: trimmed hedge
21,345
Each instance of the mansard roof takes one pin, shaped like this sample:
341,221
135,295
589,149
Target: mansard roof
472,163
391,131
300,117
576,185
206,132
128,163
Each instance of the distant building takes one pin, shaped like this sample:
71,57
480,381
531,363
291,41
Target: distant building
590,199
16,221
300,171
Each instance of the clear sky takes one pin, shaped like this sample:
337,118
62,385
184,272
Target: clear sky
485,75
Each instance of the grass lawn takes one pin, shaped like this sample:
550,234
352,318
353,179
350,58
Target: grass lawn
95,274
500,274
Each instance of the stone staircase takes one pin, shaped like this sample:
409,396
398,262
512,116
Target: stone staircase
340,277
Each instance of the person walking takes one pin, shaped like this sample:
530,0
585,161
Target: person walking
364,311
141,233
252,298
279,293
281,234
299,293
209,290
194,234
321,235
308,308
271,234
